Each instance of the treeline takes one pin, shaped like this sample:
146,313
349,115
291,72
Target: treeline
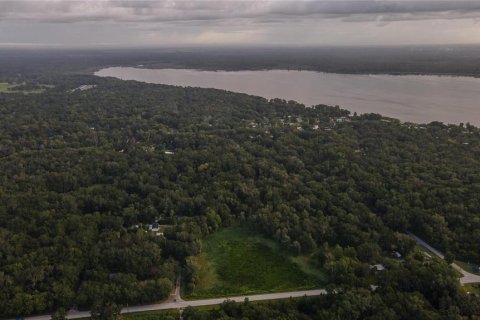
356,304
39,64
83,172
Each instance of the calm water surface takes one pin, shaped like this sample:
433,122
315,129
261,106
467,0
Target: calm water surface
409,98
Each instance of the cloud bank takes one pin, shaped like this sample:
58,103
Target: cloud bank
69,11
234,21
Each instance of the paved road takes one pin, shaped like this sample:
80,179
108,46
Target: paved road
467,276
178,303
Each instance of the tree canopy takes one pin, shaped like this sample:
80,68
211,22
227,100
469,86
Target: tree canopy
84,174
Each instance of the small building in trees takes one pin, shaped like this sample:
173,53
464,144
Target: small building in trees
377,267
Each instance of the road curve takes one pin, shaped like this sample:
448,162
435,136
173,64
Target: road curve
467,276
180,304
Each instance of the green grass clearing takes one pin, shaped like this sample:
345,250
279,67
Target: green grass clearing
6,87
10,88
472,288
236,261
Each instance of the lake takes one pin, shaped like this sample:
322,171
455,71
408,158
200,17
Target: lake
411,98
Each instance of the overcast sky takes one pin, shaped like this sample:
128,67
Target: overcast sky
137,23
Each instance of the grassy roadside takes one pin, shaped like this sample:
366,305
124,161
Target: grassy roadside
174,314
466,266
236,261
430,253
153,315
472,288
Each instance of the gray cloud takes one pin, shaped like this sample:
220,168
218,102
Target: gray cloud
167,22
174,11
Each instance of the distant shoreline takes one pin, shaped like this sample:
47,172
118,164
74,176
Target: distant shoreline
212,69
416,98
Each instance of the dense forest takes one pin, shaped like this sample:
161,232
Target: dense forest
32,64
84,172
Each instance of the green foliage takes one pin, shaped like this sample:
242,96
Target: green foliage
105,311
236,262
449,257
153,315
59,314
84,171
356,304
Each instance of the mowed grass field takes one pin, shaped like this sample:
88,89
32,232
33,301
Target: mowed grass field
5,87
235,261
10,88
